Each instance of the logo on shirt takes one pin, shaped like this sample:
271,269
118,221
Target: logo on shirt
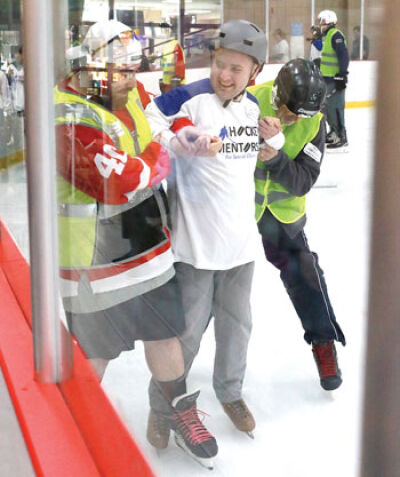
237,141
223,134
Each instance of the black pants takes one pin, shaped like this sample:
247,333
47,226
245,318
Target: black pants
303,279
335,105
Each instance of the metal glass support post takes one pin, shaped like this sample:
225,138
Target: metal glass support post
51,349
181,23
111,10
362,10
267,27
381,427
312,11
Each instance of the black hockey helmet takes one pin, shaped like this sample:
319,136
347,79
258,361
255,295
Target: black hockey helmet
301,87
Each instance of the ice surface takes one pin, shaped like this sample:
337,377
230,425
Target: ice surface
302,431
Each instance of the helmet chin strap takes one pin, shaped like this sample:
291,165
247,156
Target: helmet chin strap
235,98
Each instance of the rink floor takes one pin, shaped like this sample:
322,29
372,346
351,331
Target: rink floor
302,431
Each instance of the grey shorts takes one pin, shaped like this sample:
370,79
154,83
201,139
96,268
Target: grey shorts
155,315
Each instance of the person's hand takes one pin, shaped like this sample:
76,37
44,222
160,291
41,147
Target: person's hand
190,141
215,145
269,127
188,135
208,145
266,153
184,142
340,82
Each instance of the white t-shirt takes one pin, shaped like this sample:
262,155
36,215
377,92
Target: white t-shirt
211,198
17,88
280,51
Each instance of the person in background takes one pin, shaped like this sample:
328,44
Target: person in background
5,110
173,67
280,50
355,47
289,165
116,264
334,69
316,44
17,83
214,142
144,64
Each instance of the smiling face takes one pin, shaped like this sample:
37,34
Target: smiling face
231,72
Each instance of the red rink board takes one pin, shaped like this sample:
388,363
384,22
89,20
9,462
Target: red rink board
70,428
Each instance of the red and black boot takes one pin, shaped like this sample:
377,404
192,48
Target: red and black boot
326,358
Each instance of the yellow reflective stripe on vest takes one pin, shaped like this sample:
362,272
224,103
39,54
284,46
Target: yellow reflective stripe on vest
142,132
77,210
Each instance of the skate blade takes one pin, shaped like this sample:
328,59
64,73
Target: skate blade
329,396
208,463
250,434
325,186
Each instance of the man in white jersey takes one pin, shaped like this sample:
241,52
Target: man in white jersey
210,127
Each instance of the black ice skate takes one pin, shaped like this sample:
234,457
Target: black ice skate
339,142
331,137
326,358
190,433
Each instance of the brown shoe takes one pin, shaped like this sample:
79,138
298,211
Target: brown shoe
240,415
158,429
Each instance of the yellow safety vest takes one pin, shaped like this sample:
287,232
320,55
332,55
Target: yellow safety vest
77,210
284,206
173,63
329,60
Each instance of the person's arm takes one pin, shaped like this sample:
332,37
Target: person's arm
278,52
159,122
298,175
88,158
170,119
342,53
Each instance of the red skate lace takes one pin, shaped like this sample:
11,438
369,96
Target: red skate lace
191,427
326,359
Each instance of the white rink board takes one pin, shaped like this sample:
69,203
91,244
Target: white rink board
361,85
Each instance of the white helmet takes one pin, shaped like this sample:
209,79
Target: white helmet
327,17
109,41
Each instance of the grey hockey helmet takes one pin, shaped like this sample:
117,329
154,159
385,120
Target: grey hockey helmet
244,37
300,86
